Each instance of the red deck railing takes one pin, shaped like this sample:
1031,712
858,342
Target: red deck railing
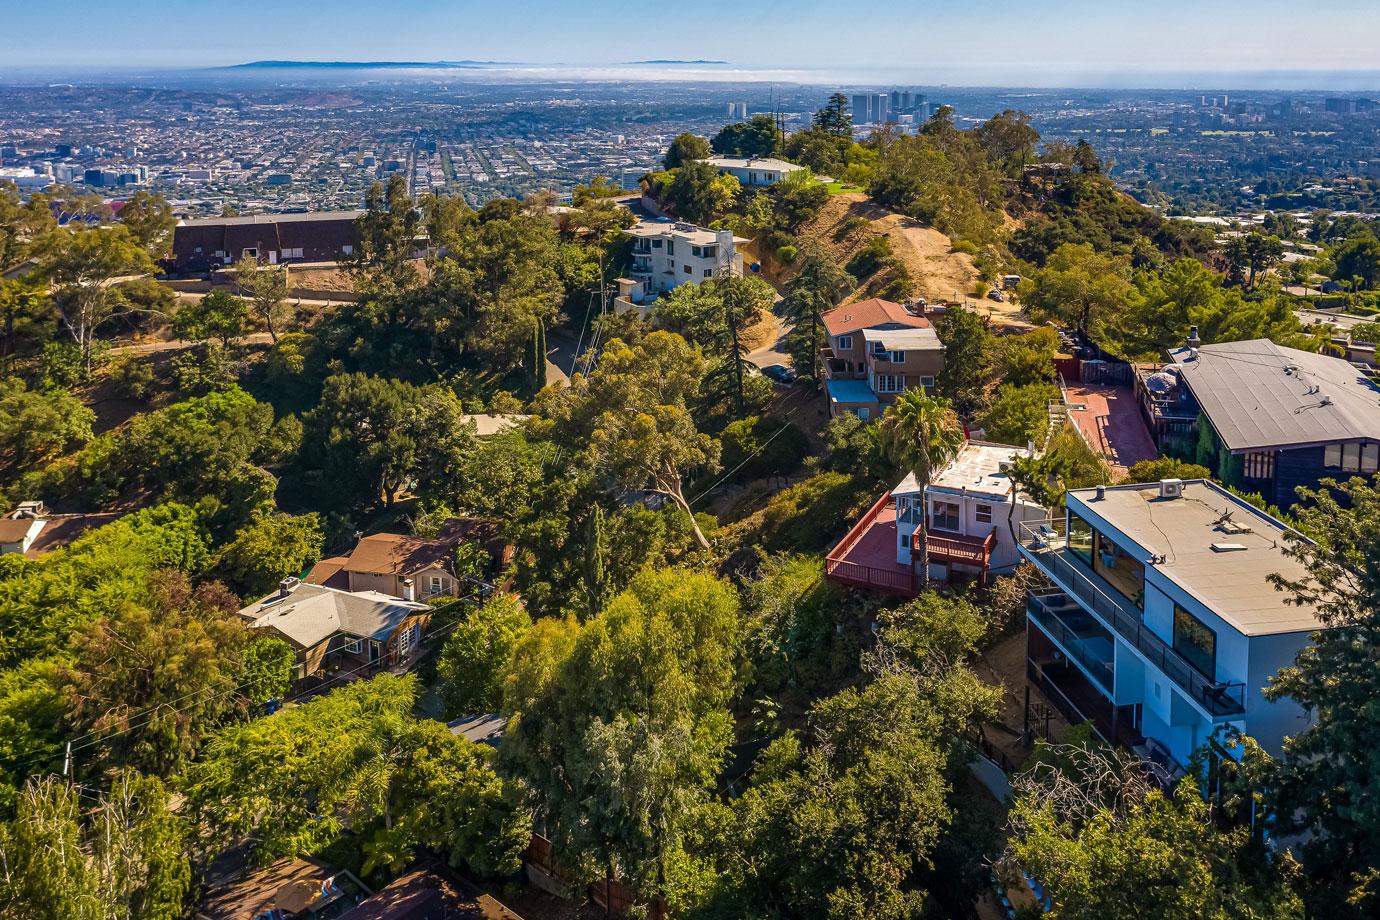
893,580
963,550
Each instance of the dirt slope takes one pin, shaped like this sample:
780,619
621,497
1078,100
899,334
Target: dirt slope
938,270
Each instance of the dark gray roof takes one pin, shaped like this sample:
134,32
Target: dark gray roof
1261,395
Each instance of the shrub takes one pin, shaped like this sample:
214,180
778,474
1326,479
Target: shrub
787,254
781,445
811,515
967,247
131,378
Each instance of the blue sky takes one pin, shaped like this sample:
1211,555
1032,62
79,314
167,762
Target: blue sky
1036,37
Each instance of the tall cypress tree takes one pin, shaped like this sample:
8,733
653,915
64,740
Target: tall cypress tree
596,560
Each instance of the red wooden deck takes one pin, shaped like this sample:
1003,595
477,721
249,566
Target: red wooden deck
866,557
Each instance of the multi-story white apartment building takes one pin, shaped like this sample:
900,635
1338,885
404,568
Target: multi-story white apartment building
1164,627
666,255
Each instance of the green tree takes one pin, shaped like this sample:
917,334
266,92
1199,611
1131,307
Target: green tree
1359,257
699,194
1324,782
712,315
475,660
622,736
756,137
686,148
25,313
82,265
218,315
1008,139
631,417
834,118
1091,828
24,226
38,427
368,437
268,668
968,349
1082,288
1018,414
266,289
183,647
269,548
357,754
150,220
922,433
843,822
819,286
382,263
124,860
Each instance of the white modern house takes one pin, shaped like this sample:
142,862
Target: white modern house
666,255
754,170
974,518
1163,627
974,513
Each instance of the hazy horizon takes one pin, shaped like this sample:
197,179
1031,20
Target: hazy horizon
1179,44
973,77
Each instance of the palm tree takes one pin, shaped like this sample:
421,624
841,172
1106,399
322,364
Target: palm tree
922,433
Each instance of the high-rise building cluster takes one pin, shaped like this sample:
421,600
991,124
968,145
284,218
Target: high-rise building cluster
896,106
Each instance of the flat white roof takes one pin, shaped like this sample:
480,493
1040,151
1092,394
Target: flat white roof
976,469
697,236
753,163
1231,582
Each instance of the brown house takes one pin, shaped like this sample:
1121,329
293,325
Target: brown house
335,630
877,350
205,244
409,567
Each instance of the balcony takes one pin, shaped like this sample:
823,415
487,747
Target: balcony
866,556
1076,632
954,548
1045,544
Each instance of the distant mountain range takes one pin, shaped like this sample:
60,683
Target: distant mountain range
359,65
677,62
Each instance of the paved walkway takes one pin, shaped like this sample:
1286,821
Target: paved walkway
1112,422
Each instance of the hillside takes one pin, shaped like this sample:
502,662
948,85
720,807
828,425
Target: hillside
939,272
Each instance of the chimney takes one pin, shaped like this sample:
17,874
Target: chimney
409,590
288,585
1193,340
1100,493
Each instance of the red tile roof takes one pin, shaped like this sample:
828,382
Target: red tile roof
850,317
868,313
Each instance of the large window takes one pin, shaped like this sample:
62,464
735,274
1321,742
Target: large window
1080,538
1352,458
947,516
1122,570
890,383
1196,642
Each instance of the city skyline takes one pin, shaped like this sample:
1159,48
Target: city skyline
1001,42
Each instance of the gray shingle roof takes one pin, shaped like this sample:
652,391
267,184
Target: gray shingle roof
1261,395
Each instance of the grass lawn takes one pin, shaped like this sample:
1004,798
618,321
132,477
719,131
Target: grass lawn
839,188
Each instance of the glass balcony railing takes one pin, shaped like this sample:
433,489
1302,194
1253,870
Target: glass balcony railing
1045,544
1077,633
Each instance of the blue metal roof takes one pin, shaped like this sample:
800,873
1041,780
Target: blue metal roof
850,391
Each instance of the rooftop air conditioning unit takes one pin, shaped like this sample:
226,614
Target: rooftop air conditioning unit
1171,488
